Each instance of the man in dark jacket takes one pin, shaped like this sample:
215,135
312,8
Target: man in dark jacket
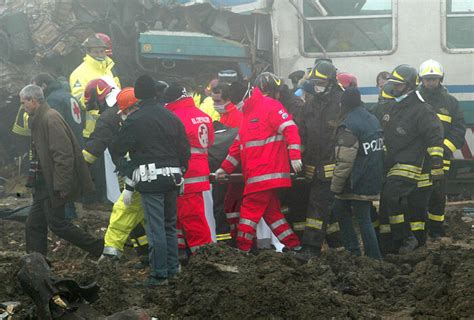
60,99
358,173
447,109
58,174
317,124
413,139
159,151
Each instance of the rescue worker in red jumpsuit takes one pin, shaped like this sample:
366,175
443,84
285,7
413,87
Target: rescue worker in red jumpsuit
192,225
268,138
230,117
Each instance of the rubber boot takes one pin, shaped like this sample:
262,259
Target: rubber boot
409,245
307,252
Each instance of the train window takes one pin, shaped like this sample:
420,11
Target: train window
348,26
459,24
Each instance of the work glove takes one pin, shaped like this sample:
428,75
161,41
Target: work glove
297,165
127,197
220,174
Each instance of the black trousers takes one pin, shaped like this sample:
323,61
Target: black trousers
219,191
418,211
321,223
296,199
42,216
403,213
436,208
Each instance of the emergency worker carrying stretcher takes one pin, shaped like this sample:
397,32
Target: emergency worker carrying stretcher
196,200
266,136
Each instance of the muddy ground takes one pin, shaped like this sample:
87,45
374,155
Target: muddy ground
435,282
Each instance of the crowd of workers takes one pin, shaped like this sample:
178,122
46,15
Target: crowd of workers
163,142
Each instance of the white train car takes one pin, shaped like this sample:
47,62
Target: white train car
365,37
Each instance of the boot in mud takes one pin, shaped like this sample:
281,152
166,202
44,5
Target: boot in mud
409,245
307,252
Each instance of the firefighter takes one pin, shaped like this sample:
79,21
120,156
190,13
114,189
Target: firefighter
447,108
413,140
96,64
193,220
266,136
318,123
156,142
358,173
203,100
126,218
99,96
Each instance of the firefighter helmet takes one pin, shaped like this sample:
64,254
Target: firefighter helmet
387,91
94,42
268,83
431,68
323,70
126,98
106,39
96,93
405,74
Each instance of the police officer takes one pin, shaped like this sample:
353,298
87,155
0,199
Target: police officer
357,179
447,109
318,123
413,139
159,151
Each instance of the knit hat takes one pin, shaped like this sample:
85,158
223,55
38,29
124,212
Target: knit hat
144,87
174,92
351,98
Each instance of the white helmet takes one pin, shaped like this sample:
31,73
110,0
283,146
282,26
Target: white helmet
431,68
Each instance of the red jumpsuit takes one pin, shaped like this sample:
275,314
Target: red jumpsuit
192,225
232,116
266,137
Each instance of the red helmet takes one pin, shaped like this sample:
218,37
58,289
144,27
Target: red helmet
347,80
106,39
96,92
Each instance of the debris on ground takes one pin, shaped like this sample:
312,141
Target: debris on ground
219,282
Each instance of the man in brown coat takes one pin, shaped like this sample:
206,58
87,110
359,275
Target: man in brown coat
58,174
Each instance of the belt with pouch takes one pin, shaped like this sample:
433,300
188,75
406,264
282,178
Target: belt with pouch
149,172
